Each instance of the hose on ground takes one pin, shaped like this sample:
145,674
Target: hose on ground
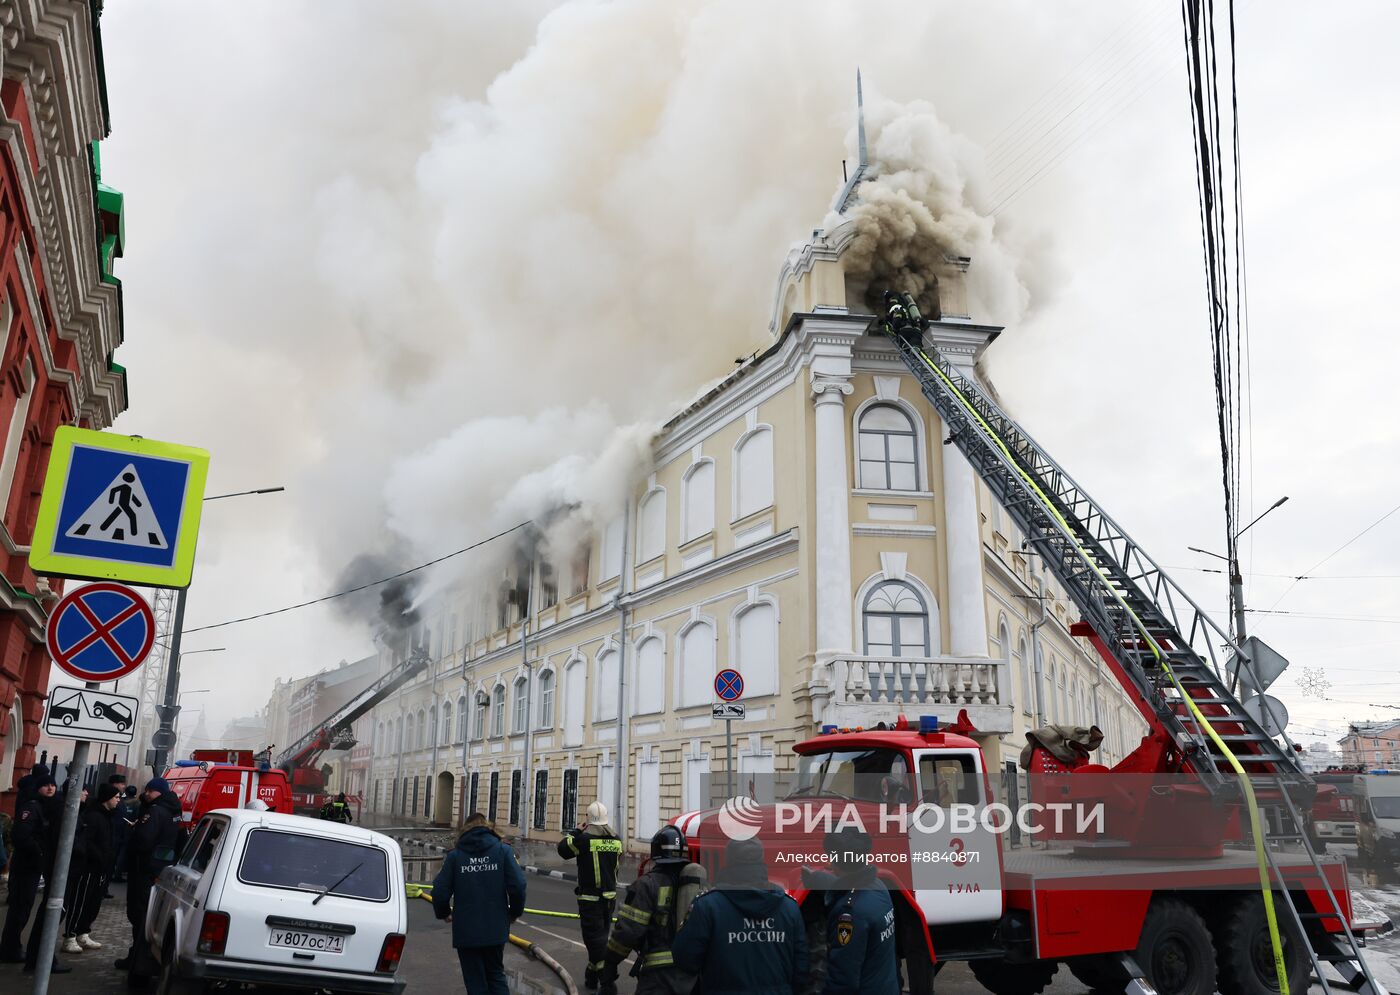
541,955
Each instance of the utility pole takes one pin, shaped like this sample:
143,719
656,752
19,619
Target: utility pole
527,789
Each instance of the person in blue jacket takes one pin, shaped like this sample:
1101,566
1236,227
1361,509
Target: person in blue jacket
860,926
482,883
746,935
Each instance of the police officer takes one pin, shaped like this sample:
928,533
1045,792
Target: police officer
123,821
860,925
336,810
746,935
596,849
35,837
481,891
646,923
153,845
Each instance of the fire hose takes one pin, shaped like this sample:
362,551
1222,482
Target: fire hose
532,950
1251,803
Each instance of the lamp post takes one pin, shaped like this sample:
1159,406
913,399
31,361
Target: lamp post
1237,582
164,738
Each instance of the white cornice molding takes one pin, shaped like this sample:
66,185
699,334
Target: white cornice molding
823,246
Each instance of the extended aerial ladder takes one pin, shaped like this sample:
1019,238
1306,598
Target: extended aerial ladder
300,760
1163,648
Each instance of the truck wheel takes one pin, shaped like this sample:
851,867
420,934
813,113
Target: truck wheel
918,968
1246,959
1175,950
1099,974
1001,978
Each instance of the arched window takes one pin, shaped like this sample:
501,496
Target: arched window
422,739
398,734
1062,682
461,718
697,666
756,651
446,722
1051,707
10,747
651,526
546,699
613,534
479,718
888,448
698,500
753,472
895,621
651,676
378,743
605,706
410,733
520,692
498,710
1023,664
431,739
574,702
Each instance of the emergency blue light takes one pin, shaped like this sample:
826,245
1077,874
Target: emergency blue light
827,730
187,763
928,724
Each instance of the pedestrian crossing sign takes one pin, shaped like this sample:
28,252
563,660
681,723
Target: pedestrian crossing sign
119,507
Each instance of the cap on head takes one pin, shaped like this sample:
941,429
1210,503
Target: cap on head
158,784
744,853
597,814
848,846
130,791
106,792
44,779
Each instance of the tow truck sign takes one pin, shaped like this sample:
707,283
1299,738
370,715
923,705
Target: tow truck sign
83,713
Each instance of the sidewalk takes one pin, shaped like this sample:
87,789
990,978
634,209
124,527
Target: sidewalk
93,970
537,855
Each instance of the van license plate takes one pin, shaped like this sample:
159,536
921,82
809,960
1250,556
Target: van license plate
296,939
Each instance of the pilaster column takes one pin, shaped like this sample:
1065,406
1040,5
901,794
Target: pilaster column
833,525
967,617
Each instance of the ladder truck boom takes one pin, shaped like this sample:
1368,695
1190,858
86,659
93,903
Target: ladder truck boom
1160,645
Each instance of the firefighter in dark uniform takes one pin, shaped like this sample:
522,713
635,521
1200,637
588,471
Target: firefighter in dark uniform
336,810
596,850
746,935
646,923
153,845
35,839
860,926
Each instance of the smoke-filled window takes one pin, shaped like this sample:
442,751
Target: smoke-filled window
887,447
698,500
605,707
613,536
651,526
498,711
753,472
757,651
651,676
549,585
697,665
578,572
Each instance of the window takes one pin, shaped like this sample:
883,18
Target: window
574,707
612,548
605,707
549,585
422,740
479,723
521,692
895,621
887,447
541,797
515,778
949,780
547,699
697,666
651,676
194,842
410,731
1051,711
431,739
446,722
1025,668
296,862
757,649
473,793
568,805
698,500
492,792
498,711
14,438
651,526
578,572
753,473
461,718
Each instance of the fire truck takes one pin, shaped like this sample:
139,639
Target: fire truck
1197,874
301,760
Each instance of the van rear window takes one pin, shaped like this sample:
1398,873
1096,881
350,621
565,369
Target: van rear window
276,859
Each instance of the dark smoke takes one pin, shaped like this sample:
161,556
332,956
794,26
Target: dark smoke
388,608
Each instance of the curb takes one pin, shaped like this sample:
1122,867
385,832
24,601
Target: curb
547,873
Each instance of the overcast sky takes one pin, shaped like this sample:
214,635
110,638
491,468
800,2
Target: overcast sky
409,267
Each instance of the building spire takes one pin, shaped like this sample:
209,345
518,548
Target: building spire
848,190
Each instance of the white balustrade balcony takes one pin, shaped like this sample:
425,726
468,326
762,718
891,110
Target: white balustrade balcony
863,690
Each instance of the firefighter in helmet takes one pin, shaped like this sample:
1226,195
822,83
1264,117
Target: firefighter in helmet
336,810
655,906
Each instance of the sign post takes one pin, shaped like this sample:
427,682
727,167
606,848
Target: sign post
114,508
729,688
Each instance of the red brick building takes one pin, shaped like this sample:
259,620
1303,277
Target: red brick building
60,313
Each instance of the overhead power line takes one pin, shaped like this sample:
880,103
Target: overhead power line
362,587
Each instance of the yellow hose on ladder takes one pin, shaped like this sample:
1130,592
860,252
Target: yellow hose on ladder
1252,803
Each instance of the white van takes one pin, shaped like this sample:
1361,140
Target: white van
1378,818
269,899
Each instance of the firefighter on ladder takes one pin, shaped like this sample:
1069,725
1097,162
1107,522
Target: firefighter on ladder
649,918
596,849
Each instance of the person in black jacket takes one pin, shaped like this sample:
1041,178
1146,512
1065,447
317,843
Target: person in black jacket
123,821
646,922
31,834
50,803
861,956
746,935
596,848
87,875
481,891
154,844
